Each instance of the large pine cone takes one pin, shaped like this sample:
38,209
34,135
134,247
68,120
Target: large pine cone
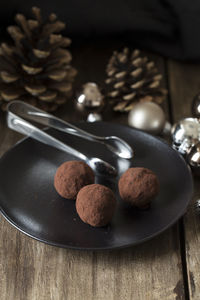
132,78
36,67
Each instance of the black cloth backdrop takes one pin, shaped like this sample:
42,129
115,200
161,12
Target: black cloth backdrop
169,27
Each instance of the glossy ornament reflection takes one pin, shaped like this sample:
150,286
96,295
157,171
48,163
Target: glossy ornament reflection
185,134
193,158
94,117
196,106
90,96
186,140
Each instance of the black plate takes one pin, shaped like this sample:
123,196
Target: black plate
29,202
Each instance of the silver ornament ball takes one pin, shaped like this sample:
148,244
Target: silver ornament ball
94,117
193,158
197,206
90,96
186,140
185,134
196,106
147,116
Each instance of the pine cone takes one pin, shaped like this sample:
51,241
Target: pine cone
132,78
36,67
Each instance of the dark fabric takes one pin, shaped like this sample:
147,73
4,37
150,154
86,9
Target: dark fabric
170,27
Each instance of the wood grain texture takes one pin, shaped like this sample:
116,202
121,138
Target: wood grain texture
184,80
30,270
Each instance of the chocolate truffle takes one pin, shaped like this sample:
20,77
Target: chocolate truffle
95,204
71,176
138,186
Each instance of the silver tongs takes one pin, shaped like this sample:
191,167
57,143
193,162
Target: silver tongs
17,110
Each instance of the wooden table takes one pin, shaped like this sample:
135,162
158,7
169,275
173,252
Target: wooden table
165,268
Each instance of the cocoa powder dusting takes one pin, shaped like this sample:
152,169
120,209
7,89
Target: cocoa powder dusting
71,176
138,186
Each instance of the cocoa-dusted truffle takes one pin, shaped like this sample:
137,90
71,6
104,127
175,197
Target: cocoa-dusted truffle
71,176
95,204
138,186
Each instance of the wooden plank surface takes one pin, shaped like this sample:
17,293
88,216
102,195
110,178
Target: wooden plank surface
33,270
184,81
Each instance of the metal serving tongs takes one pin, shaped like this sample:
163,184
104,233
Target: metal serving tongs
17,110
113,143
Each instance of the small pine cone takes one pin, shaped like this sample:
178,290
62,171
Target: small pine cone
132,78
36,67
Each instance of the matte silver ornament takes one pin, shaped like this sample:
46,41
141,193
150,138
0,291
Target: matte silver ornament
147,116
185,134
90,96
94,117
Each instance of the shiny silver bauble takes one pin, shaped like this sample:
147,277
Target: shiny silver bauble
197,206
94,117
193,158
147,116
90,96
196,106
185,134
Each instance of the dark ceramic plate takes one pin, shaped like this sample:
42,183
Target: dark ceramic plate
30,203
